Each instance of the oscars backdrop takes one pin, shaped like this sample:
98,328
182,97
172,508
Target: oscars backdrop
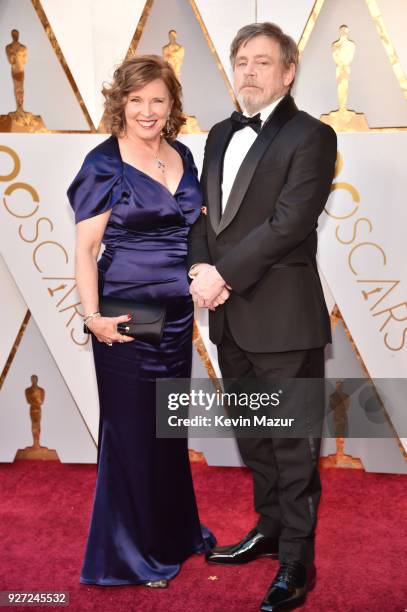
54,57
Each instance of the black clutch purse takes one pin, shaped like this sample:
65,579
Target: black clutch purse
147,321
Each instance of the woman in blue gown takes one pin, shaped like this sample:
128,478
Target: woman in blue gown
138,193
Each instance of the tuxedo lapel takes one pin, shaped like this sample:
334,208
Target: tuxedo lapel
214,174
283,112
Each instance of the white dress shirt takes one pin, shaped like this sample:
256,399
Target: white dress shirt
237,149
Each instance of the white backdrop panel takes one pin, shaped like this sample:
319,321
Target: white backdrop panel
47,90
40,253
394,13
361,253
290,16
12,312
373,87
223,20
94,36
62,427
202,81
365,250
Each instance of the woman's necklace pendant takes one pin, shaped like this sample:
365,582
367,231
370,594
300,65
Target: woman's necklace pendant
160,164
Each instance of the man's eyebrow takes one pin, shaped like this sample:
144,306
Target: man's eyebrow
259,55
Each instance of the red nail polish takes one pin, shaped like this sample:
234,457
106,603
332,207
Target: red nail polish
129,316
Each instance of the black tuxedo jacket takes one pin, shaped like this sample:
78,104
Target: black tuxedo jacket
265,243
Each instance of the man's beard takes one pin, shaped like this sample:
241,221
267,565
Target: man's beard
253,99
252,102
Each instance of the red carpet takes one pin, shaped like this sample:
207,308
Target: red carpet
361,543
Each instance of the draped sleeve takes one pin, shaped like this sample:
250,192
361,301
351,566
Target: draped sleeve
187,154
97,187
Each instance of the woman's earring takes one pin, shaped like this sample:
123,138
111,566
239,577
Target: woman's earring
167,128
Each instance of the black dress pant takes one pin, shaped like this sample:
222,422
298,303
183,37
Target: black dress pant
286,481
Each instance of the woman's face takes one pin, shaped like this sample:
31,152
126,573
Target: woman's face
147,109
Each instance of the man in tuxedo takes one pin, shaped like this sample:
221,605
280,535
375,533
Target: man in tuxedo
266,177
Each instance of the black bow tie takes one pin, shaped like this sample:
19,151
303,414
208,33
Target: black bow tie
240,121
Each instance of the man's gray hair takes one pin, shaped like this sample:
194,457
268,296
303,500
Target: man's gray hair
288,46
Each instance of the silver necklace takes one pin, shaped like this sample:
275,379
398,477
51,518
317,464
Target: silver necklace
159,162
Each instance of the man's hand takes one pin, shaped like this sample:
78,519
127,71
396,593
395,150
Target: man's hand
221,299
207,286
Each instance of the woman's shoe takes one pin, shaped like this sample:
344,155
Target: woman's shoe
156,584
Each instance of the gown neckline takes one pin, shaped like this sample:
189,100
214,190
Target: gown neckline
151,177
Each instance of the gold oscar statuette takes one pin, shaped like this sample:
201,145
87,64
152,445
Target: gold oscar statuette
19,120
343,119
196,456
174,54
35,396
339,403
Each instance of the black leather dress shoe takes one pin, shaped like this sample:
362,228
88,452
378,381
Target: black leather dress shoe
252,546
290,586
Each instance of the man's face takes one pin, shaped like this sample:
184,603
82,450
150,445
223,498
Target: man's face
259,74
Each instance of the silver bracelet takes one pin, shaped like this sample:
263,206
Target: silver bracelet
91,316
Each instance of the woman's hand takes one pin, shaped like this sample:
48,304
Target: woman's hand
105,328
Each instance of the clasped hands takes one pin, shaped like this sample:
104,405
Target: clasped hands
208,288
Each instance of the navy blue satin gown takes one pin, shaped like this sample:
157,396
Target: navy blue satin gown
144,520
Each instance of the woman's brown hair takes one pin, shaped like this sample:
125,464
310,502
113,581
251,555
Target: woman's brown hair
133,74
